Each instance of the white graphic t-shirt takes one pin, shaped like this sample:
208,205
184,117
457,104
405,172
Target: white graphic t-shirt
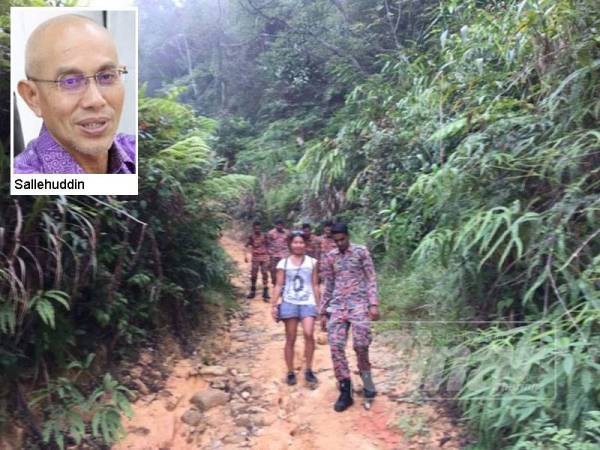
298,288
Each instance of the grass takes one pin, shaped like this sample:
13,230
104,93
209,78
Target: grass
412,425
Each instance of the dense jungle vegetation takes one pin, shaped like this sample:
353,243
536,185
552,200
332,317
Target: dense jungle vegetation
84,281
459,139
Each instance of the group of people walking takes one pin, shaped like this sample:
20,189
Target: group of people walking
325,279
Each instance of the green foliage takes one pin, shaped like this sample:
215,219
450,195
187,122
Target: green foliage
190,158
164,121
79,274
68,409
543,433
42,303
462,146
280,201
538,372
230,187
232,135
234,195
413,425
425,291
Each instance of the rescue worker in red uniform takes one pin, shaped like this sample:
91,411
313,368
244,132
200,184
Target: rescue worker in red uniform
277,246
257,246
349,301
313,242
327,245
327,242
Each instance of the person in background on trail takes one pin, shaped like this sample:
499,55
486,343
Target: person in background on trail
257,246
297,287
327,242
313,243
277,246
349,300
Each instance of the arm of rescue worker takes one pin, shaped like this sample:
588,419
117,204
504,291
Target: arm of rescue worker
269,243
318,249
277,290
369,271
328,277
315,284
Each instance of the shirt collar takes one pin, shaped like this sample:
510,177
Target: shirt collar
119,160
337,251
55,159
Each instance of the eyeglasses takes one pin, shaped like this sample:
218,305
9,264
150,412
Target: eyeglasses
76,83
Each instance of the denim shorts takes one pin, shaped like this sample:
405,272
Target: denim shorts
291,311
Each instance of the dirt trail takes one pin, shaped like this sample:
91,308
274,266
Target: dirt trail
261,412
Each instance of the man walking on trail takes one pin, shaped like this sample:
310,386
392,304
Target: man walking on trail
350,300
277,246
313,242
257,246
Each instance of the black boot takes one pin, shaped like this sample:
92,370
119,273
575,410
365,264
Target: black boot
266,296
252,292
345,399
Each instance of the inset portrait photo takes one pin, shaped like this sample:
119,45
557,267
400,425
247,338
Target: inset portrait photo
74,105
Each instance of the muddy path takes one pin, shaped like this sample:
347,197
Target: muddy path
232,395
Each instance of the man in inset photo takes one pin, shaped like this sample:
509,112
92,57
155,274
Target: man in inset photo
74,83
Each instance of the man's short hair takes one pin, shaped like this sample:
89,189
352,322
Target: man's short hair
279,221
256,223
328,223
306,225
339,228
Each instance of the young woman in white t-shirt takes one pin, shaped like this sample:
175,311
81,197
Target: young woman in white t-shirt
297,285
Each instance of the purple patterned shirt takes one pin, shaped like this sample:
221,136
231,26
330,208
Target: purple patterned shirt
349,279
44,155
